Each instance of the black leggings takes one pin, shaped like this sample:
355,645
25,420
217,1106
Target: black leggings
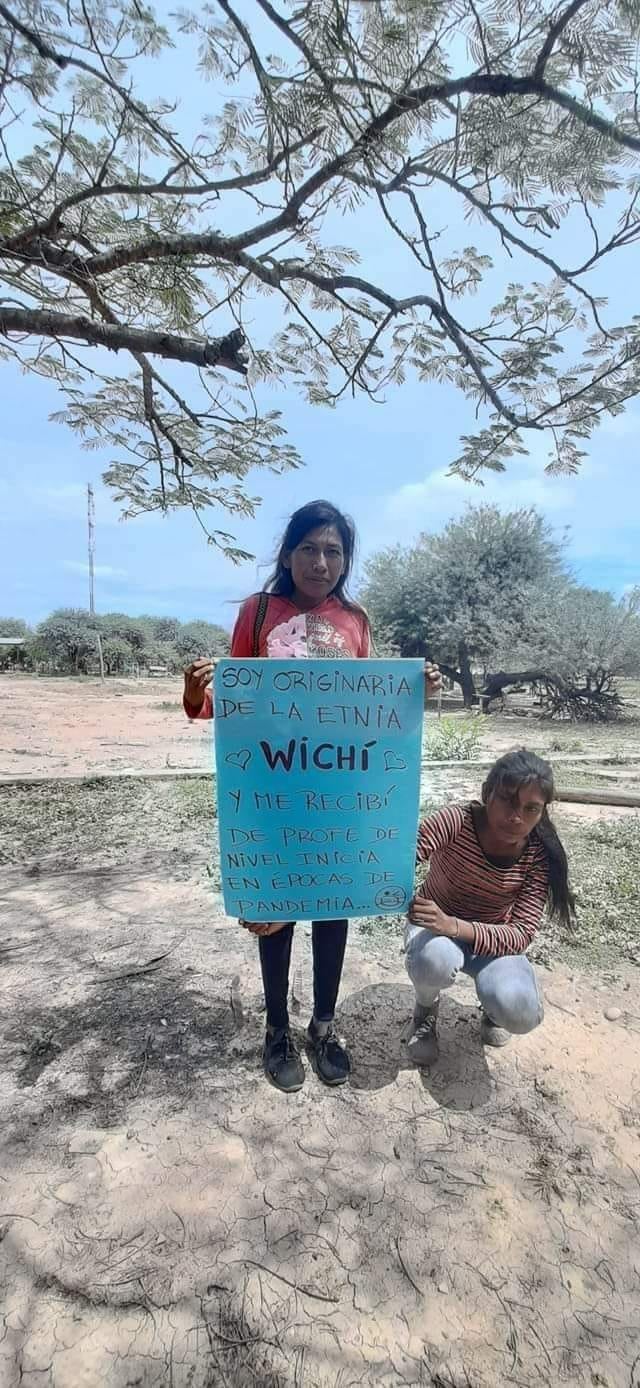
329,939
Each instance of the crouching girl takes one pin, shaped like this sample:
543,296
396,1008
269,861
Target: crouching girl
493,866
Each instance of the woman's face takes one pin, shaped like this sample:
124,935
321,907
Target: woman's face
317,563
513,811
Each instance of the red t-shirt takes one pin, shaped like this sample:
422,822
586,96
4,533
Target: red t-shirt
329,631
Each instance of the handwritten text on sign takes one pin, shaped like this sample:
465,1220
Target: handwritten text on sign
318,769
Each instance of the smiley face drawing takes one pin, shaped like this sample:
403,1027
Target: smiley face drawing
391,898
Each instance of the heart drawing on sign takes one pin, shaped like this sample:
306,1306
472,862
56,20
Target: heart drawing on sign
241,758
392,762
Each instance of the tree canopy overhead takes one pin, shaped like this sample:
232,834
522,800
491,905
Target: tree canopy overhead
117,231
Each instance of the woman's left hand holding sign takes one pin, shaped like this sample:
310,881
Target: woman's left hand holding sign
433,677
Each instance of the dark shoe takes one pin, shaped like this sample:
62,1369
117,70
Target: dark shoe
423,1047
281,1060
331,1057
492,1035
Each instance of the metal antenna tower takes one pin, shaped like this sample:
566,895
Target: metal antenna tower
91,523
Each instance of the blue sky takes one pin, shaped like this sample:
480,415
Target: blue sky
387,465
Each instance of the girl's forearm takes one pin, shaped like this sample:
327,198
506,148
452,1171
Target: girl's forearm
466,932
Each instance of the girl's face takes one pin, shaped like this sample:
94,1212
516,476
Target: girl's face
316,564
513,811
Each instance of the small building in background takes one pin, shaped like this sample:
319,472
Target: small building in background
12,652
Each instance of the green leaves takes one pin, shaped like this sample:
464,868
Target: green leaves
67,641
468,594
317,192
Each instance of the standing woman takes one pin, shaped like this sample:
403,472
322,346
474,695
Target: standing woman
305,612
493,866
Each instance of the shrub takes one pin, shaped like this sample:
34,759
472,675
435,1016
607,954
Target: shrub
454,739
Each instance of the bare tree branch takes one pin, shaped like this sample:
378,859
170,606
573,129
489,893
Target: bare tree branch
570,277
314,66
222,351
499,85
261,74
162,187
553,34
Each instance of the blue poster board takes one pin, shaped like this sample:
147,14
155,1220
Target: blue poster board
318,778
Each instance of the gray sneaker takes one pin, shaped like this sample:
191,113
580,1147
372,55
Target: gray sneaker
492,1035
422,1046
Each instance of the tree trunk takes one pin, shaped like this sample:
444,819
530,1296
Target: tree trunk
465,677
495,684
562,697
450,672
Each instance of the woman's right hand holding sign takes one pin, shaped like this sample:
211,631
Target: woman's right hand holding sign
196,678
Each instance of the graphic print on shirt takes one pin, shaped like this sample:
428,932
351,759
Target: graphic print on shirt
307,637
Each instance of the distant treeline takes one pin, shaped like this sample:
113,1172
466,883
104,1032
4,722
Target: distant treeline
66,643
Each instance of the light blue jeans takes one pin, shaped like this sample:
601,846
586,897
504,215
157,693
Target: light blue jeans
506,985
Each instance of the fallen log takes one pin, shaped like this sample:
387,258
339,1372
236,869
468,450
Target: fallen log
600,797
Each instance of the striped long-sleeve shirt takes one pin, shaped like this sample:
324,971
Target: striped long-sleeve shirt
503,904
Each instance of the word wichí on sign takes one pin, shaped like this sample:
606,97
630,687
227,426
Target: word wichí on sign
318,775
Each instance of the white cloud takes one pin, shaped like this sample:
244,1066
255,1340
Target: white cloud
429,504
75,566
69,500
598,506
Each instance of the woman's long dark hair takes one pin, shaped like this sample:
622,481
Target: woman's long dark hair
507,775
311,517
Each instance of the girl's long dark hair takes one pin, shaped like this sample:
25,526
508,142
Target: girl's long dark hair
311,517
507,775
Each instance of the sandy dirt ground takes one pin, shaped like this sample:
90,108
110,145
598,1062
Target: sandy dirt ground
168,1220
61,727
